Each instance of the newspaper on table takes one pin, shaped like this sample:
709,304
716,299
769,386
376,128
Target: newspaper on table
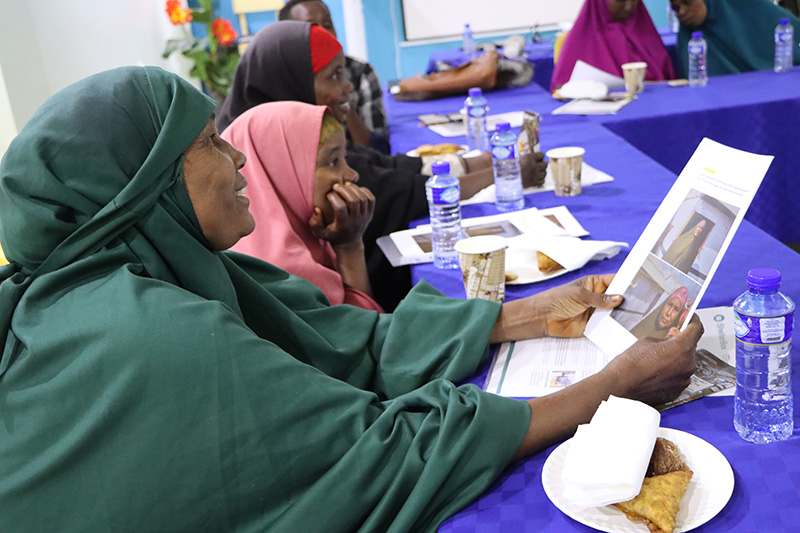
670,266
538,367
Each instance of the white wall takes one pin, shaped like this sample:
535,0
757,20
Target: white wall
46,45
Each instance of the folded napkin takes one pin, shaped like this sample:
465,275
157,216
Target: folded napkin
607,458
589,176
570,252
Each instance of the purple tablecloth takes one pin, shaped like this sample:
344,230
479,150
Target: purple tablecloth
766,496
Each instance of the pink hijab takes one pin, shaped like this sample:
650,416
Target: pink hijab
604,43
280,140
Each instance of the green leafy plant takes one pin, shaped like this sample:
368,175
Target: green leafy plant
215,56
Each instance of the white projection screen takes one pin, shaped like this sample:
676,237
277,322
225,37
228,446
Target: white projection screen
434,19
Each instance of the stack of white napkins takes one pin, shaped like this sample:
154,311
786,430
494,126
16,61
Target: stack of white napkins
607,458
570,252
589,176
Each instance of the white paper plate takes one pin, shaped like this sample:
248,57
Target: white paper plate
708,492
464,148
523,263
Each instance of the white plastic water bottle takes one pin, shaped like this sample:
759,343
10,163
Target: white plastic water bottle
784,38
444,207
507,177
763,322
476,109
468,43
698,76
673,23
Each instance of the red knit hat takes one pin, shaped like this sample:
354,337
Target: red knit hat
324,48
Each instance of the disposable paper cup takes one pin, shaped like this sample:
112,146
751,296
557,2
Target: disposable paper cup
483,266
634,76
565,164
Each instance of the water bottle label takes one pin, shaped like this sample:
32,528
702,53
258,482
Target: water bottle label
476,112
696,49
503,152
763,330
445,196
783,37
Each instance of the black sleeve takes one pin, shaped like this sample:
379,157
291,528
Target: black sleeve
399,199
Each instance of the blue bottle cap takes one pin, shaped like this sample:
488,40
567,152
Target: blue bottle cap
475,91
783,21
697,35
440,167
764,279
502,126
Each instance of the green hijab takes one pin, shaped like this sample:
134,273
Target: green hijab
740,37
148,383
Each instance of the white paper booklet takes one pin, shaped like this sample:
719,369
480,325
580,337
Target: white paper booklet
456,129
413,246
667,271
537,367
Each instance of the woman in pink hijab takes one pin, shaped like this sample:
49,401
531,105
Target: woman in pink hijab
609,33
669,315
310,215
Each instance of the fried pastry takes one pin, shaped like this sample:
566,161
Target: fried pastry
437,149
510,276
546,263
665,459
663,487
659,501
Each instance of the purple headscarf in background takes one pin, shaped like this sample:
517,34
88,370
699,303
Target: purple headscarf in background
599,40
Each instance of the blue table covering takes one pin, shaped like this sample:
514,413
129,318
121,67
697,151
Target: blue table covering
766,496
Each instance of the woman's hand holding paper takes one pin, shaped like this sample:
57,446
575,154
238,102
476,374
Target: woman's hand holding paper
657,370
559,312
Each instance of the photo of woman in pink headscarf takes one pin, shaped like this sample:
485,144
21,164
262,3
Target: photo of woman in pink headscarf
666,316
609,33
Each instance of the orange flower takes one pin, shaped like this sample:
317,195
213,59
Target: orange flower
224,32
178,15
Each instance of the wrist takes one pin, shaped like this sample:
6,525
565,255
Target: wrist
356,245
520,319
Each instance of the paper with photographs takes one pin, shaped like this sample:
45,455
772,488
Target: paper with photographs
538,367
667,271
413,246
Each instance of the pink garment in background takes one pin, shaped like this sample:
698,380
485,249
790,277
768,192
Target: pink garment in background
602,42
280,140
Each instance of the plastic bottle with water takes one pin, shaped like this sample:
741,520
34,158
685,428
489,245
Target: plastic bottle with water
476,110
444,207
784,38
763,322
673,23
507,177
468,42
698,77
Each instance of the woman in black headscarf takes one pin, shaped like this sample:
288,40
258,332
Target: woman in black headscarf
290,61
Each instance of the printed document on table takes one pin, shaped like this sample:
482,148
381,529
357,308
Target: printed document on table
537,367
456,129
667,271
414,246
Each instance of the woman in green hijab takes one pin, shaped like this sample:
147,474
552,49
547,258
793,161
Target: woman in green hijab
149,381
739,34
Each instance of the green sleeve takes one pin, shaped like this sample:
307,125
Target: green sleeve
169,414
428,336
